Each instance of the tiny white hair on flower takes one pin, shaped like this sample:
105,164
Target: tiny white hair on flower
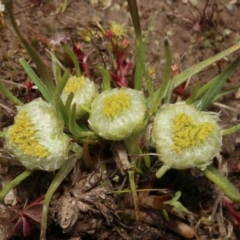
185,137
36,138
118,113
84,92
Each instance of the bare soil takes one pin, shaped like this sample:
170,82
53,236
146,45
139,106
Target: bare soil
84,208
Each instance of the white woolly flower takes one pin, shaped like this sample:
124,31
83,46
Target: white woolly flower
118,113
36,138
185,137
84,92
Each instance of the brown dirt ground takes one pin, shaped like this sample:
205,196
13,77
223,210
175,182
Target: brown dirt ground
40,22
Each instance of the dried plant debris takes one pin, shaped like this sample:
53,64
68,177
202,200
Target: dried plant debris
84,208
5,222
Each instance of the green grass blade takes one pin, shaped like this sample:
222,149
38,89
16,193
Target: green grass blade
59,89
217,85
32,53
201,91
5,91
139,68
12,184
37,81
106,82
148,80
226,92
56,66
219,95
62,173
165,87
74,128
167,73
185,75
69,103
223,183
72,55
148,31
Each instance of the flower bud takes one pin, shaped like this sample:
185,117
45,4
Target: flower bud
84,92
185,137
36,138
118,113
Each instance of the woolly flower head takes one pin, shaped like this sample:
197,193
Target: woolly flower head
185,137
84,92
36,138
118,113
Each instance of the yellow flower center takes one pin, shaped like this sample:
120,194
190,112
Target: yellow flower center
24,136
188,134
116,104
74,84
117,29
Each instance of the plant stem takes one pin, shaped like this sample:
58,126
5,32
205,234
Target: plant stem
231,130
14,183
226,186
162,171
60,176
134,194
132,148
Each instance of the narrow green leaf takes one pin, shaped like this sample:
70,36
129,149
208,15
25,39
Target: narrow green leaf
74,59
148,80
62,173
35,57
217,85
12,184
148,31
225,92
37,81
165,86
106,82
185,75
5,91
69,103
139,69
74,128
223,183
59,89
196,90
56,66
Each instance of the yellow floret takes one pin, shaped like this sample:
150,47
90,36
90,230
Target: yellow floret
188,134
74,84
116,104
117,29
23,135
